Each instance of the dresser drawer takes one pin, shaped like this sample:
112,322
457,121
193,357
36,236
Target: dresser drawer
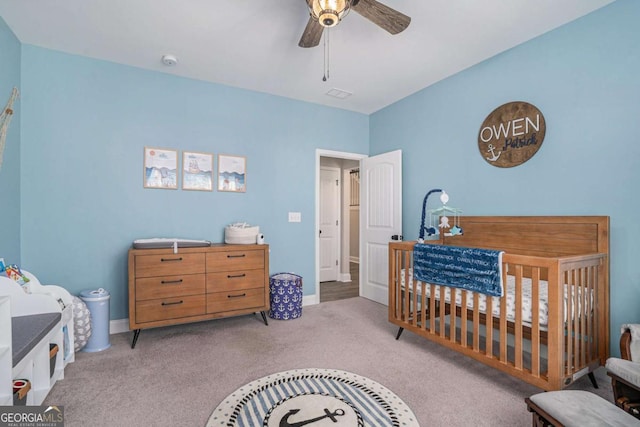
169,286
234,260
235,280
235,300
169,264
170,308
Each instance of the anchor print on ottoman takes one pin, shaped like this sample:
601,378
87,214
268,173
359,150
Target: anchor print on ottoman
286,296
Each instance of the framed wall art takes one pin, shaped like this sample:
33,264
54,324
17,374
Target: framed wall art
160,168
197,171
232,173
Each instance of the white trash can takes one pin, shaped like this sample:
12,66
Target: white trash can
97,302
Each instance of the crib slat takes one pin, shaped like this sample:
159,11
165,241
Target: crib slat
601,311
453,317
582,298
489,327
432,308
591,298
556,346
443,309
518,318
396,262
570,322
535,321
397,294
463,321
400,256
576,317
393,275
414,302
403,291
579,307
503,328
476,322
423,306
408,282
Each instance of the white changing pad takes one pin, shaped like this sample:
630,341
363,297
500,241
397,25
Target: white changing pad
164,242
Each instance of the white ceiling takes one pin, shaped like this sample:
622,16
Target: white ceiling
253,44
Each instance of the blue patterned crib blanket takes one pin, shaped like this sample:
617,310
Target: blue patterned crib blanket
478,270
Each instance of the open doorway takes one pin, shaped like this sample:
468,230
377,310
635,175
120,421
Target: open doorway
380,221
338,216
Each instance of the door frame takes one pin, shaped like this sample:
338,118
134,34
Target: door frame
315,299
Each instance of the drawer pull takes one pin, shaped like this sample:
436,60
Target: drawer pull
173,303
229,276
170,259
237,296
236,256
165,282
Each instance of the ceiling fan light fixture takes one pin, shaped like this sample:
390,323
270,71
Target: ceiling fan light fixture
328,18
329,12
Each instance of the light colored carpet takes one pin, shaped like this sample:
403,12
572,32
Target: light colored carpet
177,375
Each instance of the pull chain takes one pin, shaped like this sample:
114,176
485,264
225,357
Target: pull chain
325,77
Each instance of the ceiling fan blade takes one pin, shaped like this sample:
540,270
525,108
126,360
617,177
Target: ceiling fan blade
383,16
312,34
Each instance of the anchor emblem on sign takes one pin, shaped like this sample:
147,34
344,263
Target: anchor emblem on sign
493,154
284,422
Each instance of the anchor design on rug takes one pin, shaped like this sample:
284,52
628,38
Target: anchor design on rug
493,154
284,422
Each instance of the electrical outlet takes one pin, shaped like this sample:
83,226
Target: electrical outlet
295,217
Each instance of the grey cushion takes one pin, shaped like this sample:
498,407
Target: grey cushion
27,331
625,369
582,409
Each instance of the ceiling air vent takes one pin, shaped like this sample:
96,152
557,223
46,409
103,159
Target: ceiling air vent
339,93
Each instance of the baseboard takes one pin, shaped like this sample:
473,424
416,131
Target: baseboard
344,277
118,326
310,300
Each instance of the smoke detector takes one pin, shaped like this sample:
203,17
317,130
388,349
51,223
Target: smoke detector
169,60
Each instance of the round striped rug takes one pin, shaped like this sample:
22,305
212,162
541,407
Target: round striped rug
314,397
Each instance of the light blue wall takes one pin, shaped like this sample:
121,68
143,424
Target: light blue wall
10,168
85,125
585,79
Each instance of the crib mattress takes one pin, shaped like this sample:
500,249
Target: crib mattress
510,295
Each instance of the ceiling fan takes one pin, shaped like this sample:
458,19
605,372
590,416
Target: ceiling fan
327,13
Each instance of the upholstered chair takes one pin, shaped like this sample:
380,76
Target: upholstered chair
625,371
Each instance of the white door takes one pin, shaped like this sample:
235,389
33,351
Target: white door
380,219
329,223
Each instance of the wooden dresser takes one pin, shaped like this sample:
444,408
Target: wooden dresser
167,288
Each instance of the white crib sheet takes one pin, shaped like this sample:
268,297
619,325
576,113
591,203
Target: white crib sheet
543,311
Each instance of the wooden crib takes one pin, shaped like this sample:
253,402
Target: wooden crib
567,255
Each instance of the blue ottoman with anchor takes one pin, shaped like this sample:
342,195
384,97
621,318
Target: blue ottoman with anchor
285,291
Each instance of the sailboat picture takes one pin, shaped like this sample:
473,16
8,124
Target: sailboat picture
197,171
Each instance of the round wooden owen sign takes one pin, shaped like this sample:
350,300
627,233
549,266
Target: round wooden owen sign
511,134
